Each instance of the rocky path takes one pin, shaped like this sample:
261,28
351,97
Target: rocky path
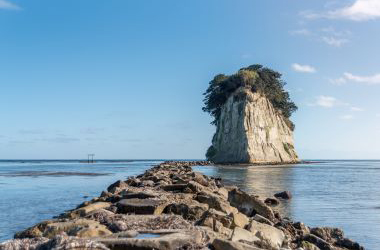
172,207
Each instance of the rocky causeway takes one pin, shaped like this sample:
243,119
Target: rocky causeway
172,207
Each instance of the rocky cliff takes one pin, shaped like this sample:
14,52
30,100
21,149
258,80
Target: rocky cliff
251,130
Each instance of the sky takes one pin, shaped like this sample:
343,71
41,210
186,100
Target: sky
124,79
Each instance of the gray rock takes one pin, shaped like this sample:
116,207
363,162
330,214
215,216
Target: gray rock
262,219
273,236
239,234
221,244
161,242
141,206
286,195
249,205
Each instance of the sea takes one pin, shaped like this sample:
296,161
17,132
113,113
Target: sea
336,193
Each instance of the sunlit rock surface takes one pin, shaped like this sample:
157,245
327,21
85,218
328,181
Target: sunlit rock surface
251,130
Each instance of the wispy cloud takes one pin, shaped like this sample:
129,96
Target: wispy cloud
370,80
338,81
359,10
356,109
7,5
346,117
349,77
304,32
327,35
303,68
333,41
327,102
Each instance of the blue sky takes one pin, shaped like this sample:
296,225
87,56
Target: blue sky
124,79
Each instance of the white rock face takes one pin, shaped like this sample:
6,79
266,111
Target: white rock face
250,130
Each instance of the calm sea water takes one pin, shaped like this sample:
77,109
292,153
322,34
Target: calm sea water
344,194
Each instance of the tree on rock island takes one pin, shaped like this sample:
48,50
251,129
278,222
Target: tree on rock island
251,112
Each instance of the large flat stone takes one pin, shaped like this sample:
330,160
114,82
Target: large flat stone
141,206
83,211
161,242
79,227
242,234
220,244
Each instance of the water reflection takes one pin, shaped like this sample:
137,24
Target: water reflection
264,181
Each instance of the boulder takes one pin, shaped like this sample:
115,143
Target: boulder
239,220
221,244
319,242
216,202
193,211
302,228
249,205
80,227
272,202
223,192
308,246
262,219
34,231
122,222
272,235
83,211
328,234
349,244
141,206
140,195
286,195
59,242
117,186
200,178
168,241
209,217
239,234
195,187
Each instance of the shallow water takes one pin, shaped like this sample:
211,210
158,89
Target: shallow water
344,194
32,191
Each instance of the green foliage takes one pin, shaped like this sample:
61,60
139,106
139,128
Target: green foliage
258,79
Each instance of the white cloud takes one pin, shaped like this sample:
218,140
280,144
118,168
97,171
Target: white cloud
333,41
326,101
5,4
370,80
356,109
346,117
303,68
359,10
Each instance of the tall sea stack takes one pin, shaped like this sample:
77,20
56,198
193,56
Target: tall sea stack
251,111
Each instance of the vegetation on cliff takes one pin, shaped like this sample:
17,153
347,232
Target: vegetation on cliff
258,79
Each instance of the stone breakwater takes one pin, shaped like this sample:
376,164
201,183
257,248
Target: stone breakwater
172,207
